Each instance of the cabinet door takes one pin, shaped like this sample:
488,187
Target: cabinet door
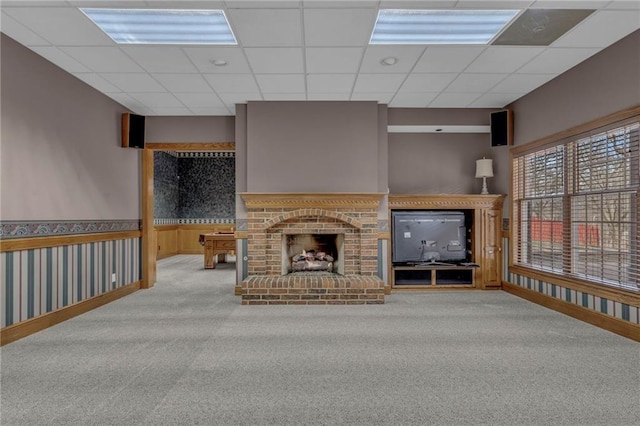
492,244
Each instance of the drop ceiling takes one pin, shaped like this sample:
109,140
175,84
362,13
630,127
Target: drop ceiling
316,50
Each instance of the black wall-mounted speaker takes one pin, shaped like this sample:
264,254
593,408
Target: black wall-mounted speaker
502,128
132,130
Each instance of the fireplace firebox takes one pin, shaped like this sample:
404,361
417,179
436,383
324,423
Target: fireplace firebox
312,253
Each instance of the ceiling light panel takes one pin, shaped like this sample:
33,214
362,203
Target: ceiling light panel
163,26
407,26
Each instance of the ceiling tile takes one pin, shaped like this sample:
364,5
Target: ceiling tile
330,83
61,59
184,83
171,111
213,111
109,3
569,4
97,82
338,27
35,3
407,56
275,60
160,58
199,100
447,58
157,100
540,27
624,4
285,97
413,99
503,59
281,83
432,82
475,83
136,106
232,83
557,60
63,26
266,27
133,82
203,57
378,83
318,96
339,4
522,83
494,4
383,98
230,99
103,59
333,59
495,100
418,4
270,4
453,100
19,32
601,29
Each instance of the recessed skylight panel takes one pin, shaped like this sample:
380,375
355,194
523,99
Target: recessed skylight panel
163,26
409,26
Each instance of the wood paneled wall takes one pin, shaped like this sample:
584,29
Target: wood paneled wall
184,239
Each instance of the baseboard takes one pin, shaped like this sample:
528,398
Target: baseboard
166,255
606,322
25,328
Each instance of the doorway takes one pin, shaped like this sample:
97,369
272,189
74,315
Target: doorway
183,233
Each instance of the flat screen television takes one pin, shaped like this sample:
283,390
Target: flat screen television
420,236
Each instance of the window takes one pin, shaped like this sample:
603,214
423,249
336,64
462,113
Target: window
575,206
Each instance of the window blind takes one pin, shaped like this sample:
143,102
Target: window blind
575,206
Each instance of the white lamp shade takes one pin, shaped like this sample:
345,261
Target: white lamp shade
484,168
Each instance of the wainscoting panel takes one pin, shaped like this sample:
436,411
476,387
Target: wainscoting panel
42,280
581,298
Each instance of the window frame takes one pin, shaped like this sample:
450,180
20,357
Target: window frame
565,138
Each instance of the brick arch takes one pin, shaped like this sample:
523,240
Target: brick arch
312,213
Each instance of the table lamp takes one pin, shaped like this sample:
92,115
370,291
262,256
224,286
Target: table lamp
484,169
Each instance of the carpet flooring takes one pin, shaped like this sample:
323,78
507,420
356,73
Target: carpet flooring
187,353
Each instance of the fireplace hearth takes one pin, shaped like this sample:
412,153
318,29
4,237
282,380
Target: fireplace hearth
312,249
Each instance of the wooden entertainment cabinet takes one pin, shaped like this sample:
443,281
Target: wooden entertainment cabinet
486,244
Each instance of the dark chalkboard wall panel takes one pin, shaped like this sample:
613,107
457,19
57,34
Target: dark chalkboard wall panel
190,188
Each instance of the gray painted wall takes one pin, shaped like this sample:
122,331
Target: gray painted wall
61,154
439,163
312,147
443,163
185,129
601,85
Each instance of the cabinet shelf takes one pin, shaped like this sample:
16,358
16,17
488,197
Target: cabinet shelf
433,276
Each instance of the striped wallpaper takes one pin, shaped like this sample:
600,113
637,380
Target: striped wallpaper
599,304
37,281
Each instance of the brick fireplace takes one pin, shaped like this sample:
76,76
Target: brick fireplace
350,219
